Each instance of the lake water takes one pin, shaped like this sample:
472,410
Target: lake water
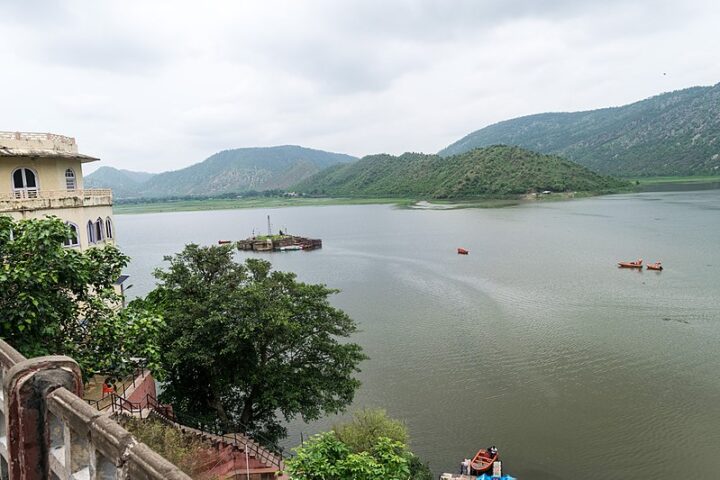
534,342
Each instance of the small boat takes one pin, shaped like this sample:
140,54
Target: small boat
224,242
482,462
290,248
462,251
655,266
636,264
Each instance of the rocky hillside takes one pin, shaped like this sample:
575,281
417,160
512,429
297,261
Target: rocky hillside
676,133
230,171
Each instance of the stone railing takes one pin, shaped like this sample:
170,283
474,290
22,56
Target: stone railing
35,199
48,432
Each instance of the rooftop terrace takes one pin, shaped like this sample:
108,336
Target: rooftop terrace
32,144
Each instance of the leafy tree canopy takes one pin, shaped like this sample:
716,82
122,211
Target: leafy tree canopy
248,344
325,457
56,300
367,426
370,444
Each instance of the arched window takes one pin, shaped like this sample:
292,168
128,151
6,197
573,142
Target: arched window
74,239
108,228
24,183
99,227
91,232
70,183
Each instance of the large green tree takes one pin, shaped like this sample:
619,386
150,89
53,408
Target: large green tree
246,344
57,300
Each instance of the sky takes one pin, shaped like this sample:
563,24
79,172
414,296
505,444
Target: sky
160,85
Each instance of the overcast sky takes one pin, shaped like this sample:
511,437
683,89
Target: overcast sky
159,85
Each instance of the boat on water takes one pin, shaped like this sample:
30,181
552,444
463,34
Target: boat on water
636,264
482,462
462,251
655,266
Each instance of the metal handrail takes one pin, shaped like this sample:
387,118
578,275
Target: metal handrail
271,454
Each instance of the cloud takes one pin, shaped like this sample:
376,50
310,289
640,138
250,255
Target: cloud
160,85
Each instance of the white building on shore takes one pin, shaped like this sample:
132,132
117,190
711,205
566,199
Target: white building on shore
41,174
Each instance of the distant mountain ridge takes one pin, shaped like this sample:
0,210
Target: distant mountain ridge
675,133
124,183
491,171
229,171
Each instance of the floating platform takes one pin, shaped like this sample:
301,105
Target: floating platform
279,243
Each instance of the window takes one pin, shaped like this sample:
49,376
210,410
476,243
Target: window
91,232
70,183
74,239
24,183
99,227
108,228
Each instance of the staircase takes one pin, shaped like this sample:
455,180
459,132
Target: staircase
238,454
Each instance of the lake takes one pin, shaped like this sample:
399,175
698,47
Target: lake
534,342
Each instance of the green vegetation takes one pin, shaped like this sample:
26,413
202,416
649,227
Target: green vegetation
255,202
55,300
497,171
227,172
247,344
184,450
685,180
371,446
676,133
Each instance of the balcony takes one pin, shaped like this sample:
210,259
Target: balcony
33,199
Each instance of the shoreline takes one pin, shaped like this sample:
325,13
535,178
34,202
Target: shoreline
501,201
405,203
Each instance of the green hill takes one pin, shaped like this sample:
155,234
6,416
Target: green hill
234,171
492,171
676,133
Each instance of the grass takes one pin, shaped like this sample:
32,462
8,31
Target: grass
183,450
234,203
278,202
659,180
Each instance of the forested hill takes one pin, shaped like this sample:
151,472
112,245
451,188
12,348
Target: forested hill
491,171
236,171
676,133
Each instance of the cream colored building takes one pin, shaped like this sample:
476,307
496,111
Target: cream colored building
41,174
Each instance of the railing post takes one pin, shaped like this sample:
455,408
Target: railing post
26,386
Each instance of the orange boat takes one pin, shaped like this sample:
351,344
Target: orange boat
636,264
482,462
655,266
462,251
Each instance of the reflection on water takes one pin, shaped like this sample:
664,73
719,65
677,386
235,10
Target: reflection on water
535,341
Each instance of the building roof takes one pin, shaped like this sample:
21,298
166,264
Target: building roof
45,145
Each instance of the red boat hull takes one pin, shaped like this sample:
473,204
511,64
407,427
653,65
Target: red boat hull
462,251
482,462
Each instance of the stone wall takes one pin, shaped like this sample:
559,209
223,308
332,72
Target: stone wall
48,432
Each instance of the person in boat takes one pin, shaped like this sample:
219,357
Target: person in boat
465,467
492,451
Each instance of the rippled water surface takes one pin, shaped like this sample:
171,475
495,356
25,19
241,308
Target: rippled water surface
534,342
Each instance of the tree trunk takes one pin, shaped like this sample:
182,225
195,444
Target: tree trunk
247,413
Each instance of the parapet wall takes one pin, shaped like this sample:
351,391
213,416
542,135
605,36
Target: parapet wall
48,432
38,141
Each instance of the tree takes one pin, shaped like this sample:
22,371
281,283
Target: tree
325,457
56,300
367,425
246,344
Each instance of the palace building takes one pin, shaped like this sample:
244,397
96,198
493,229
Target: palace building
41,174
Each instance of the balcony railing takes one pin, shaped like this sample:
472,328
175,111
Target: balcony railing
37,199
